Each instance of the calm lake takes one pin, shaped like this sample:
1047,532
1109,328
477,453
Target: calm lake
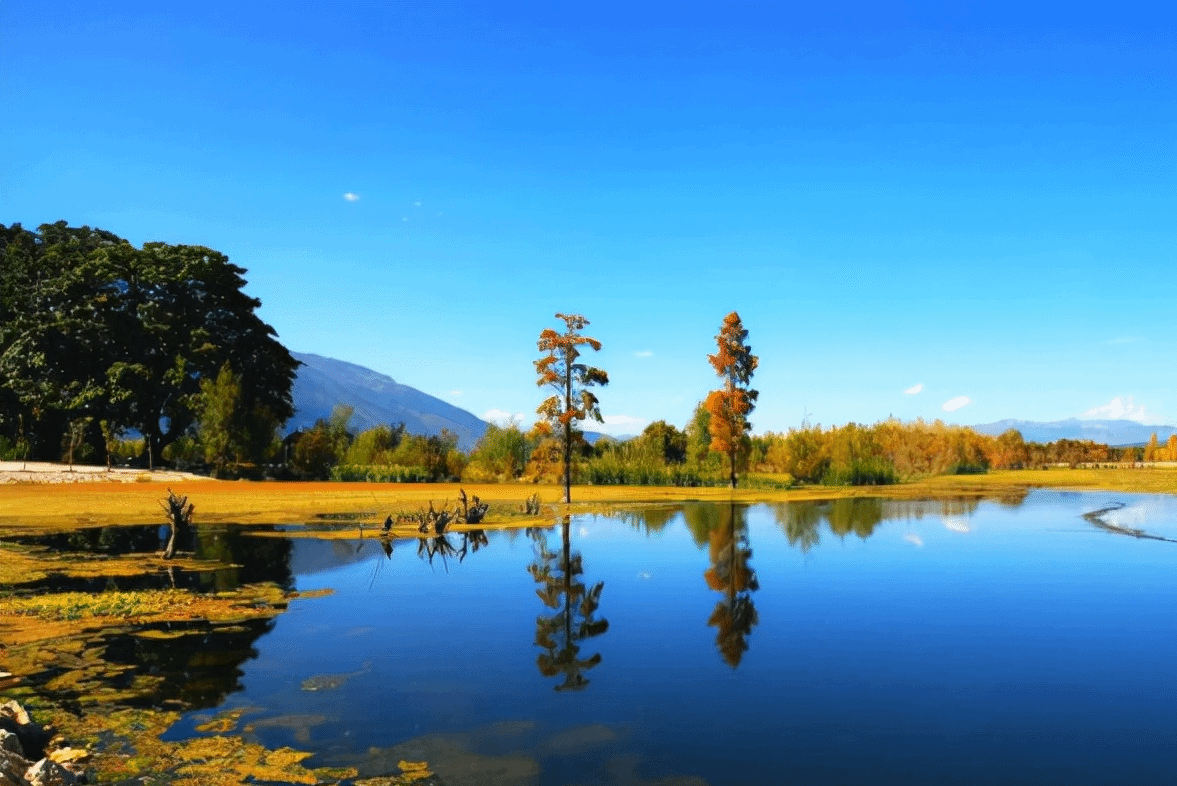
1029,640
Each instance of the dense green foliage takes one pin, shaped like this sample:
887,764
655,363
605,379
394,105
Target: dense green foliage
384,454
93,329
501,454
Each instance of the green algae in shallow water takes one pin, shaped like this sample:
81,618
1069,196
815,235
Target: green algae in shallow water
332,681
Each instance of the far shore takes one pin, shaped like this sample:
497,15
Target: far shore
40,495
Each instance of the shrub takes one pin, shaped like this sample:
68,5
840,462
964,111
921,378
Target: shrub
375,473
861,472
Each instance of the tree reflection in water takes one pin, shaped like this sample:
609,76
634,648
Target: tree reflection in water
576,605
443,546
802,521
732,574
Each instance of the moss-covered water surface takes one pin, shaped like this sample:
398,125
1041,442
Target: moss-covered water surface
109,644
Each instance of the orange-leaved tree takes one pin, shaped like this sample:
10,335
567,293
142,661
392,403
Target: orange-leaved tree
731,404
573,401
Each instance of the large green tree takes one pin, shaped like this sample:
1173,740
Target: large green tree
573,401
52,341
92,326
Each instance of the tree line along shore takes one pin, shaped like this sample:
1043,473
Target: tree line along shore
154,356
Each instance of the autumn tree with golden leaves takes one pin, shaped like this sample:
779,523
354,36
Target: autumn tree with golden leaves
573,401
730,406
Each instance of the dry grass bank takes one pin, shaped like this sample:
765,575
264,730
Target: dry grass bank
26,507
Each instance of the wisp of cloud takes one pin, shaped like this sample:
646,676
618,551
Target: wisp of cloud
953,404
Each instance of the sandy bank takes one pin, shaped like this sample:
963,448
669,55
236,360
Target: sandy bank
47,472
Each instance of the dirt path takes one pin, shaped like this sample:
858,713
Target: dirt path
46,472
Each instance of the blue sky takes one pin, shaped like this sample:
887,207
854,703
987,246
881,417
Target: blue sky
969,200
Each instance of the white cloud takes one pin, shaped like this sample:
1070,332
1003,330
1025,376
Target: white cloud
953,404
914,540
1121,408
351,197
914,389
1120,340
501,417
404,218
417,203
643,353
455,392
616,425
622,420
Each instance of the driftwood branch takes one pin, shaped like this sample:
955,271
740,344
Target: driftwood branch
431,521
179,512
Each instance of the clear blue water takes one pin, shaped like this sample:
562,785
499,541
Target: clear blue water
829,643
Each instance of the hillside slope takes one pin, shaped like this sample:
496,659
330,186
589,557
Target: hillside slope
378,399
1107,432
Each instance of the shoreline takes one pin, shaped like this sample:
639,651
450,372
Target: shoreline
55,498
47,472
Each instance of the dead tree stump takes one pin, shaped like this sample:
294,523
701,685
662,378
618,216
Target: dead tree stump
179,520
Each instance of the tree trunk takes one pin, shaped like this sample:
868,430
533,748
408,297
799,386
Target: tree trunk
567,431
567,463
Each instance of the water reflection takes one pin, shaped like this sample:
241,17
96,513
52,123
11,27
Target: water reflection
230,557
447,545
801,522
560,634
649,520
1120,518
197,665
732,574
193,664
114,541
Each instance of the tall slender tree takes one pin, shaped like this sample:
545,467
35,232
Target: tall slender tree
730,406
573,401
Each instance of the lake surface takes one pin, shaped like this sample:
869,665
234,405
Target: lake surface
842,642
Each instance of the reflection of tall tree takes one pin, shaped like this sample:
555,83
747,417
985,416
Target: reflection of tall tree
859,515
560,634
650,520
801,523
701,519
731,574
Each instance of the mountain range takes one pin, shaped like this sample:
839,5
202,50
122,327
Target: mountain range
1106,432
322,383
378,399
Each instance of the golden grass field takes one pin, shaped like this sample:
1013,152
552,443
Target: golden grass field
58,506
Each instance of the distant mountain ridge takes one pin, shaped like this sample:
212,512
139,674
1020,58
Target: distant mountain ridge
1107,432
322,383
